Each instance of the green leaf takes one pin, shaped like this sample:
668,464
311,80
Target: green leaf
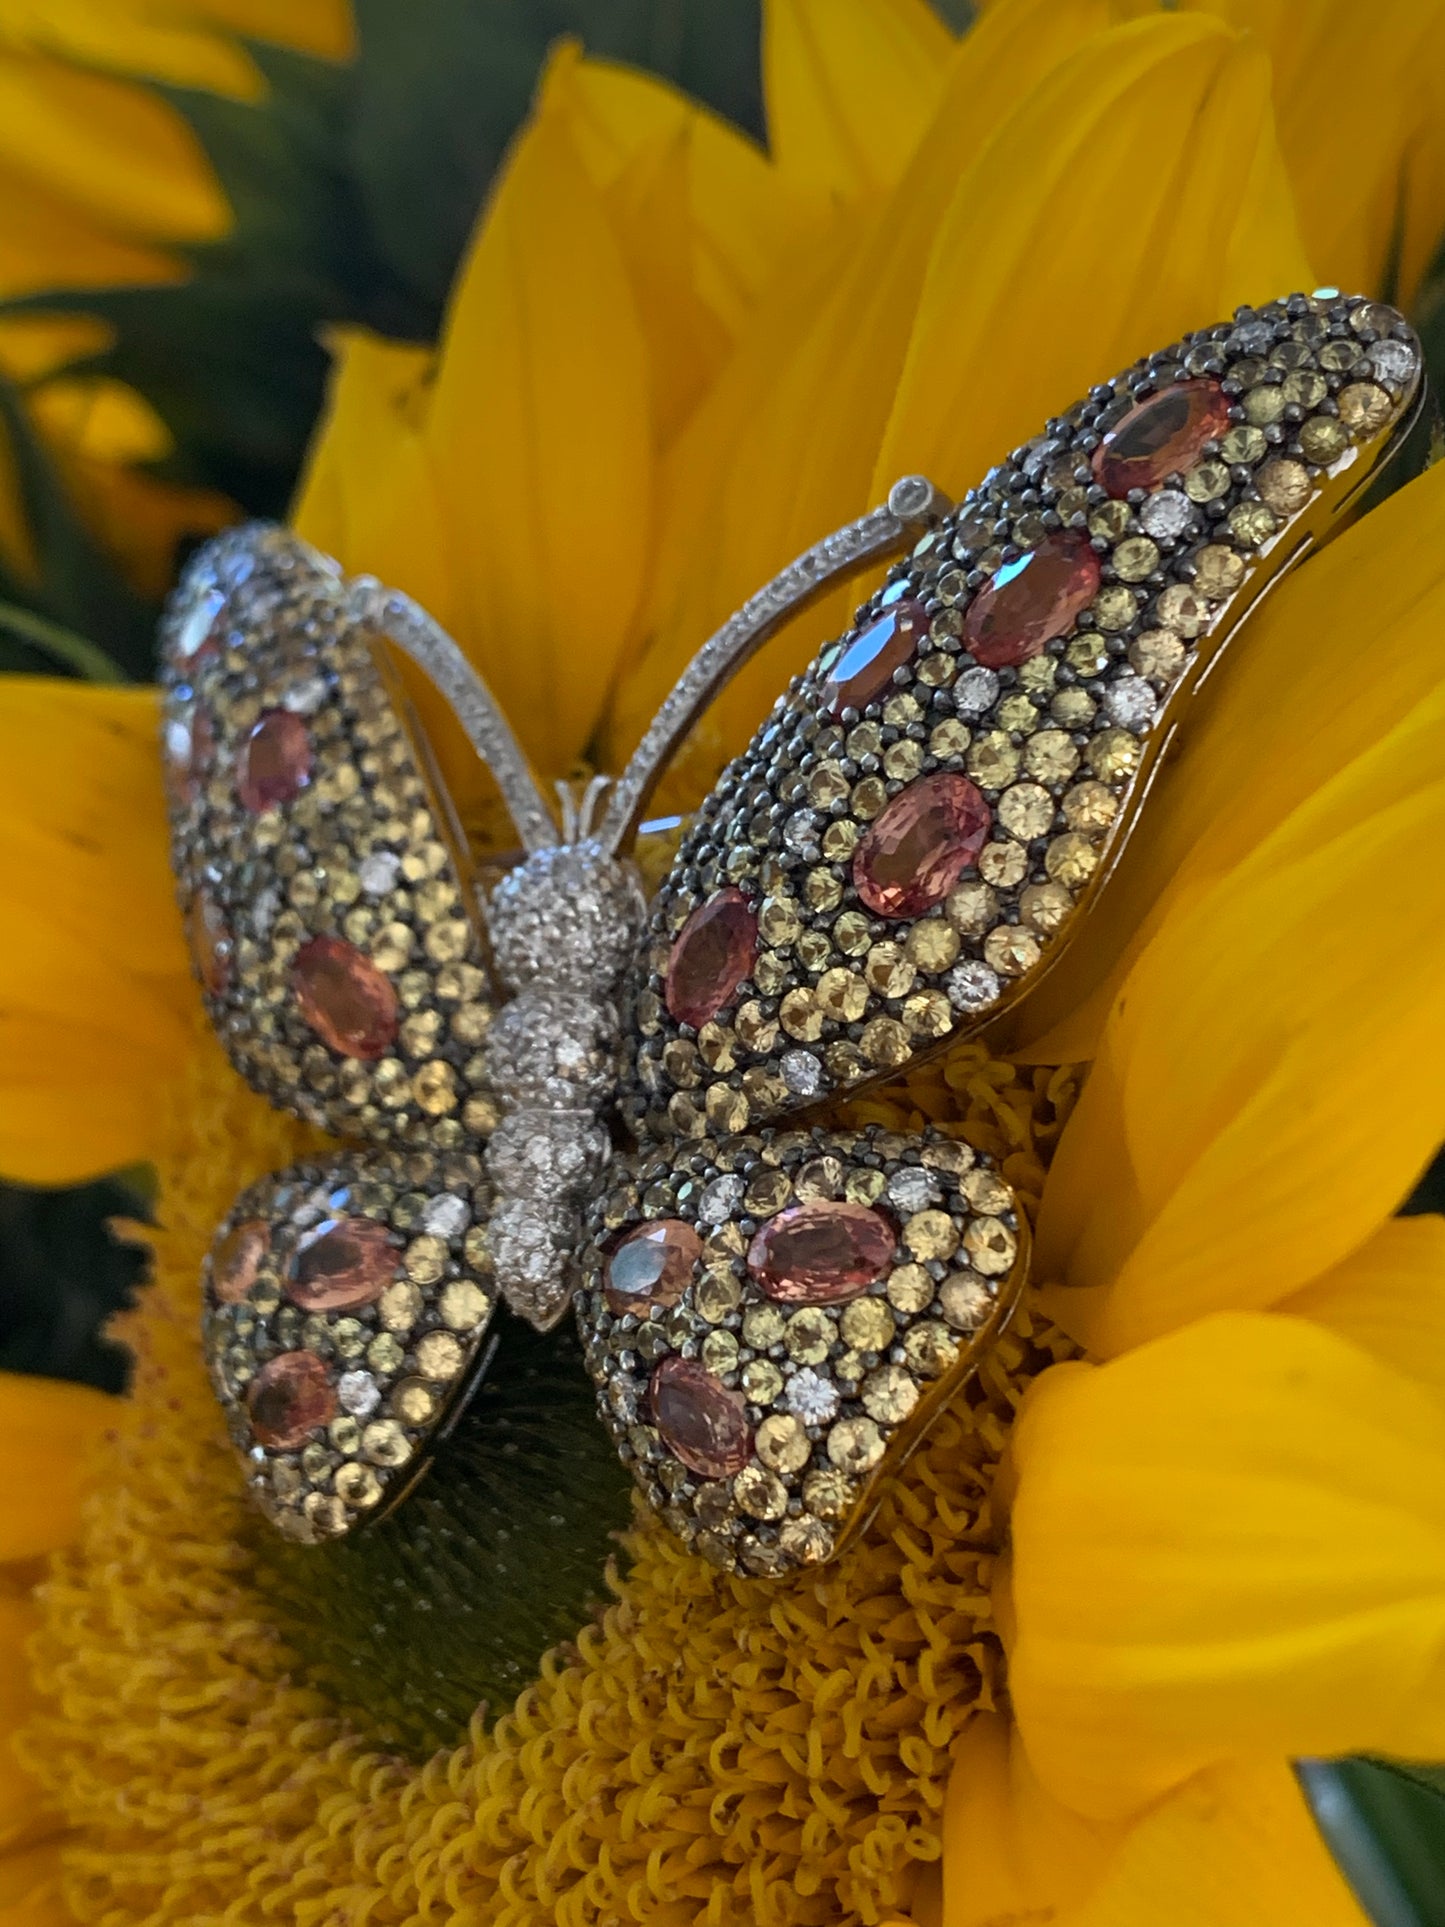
501,1553
62,646
62,1276
1384,1821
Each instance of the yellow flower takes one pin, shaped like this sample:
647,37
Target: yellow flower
1216,1539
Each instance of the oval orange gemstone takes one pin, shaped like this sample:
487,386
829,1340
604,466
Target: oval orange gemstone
821,1253
343,1263
289,1398
920,844
1161,437
209,937
1032,600
346,1000
713,953
275,763
700,1420
865,668
237,1259
651,1266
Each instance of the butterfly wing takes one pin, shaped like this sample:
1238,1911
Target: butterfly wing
914,833
326,894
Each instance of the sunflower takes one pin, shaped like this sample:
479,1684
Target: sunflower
1191,1527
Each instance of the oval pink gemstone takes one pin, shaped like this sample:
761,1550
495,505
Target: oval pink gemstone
1032,600
275,763
1162,436
700,1420
865,668
237,1258
209,938
713,953
342,1263
289,1398
651,1265
346,1000
920,844
821,1253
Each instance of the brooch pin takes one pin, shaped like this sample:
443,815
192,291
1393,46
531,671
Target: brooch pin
552,1094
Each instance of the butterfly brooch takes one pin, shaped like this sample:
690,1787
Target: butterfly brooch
550,1094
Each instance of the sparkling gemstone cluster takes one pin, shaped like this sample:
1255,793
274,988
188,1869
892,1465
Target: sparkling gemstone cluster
326,904
771,1320
344,1311
916,825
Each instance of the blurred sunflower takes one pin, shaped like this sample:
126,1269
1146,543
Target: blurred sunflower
1193,1528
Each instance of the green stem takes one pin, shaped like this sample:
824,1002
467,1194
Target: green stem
78,655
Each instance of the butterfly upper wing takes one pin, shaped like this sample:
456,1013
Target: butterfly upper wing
326,894
913,833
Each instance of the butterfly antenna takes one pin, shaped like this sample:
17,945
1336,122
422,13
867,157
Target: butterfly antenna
913,504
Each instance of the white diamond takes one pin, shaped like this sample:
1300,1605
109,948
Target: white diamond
1251,338
307,697
802,1072
358,1393
1393,361
197,624
971,986
975,691
912,1189
377,873
1167,515
444,1217
812,1399
800,830
1130,702
721,1200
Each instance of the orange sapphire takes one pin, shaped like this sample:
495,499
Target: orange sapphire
920,844
1032,600
1161,437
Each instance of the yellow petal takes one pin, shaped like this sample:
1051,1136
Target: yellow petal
1389,1298
1265,733
850,87
50,1429
1237,1118
1154,181
95,998
1229,1544
30,1894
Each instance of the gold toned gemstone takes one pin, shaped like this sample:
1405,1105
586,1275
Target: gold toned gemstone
476,1250
681,1063
1018,714
716,1296
889,1394
949,738
1071,859
481,1115
936,672
385,1443
820,1177
1044,906
399,1306
828,1493
888,970
1364,408
1285,485
909,1289
852,933
447,942
1050,756
971,908
1113,753
1090,806
932,945
1073,708
865,739
1323,439
1305,387
756,1029
806,1540
1026,811
1218,571
1158,655
435,1088
1110,520
808,1337
986,1191
842,995
760,1493
1251,523
727,1110
801,1017
717,1046
1135,559
901,710
1003,864
782,1444
413,1402
384,1354
460,983
840,839
855,1445
463,1305
1207,482
761,1381
1011,950
901,761
1038,674
426,1259
439,1356
763,1091
686,1115
930,1234
884,1043
826,784
345,1434
420,1032
720,1353
1114,608
993,760
867,1325
1087,654
762,1327
1263,406
864,1187
965,1301
767,1191
990,1245
930,1348
927,1014
778,921
356,1485
822,890
868,798
393,946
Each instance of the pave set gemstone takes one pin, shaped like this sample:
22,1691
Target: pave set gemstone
328,912
344,1308
771,1320
917,824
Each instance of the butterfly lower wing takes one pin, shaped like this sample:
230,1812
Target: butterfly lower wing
772,1322
326,895
914,833
346,1314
